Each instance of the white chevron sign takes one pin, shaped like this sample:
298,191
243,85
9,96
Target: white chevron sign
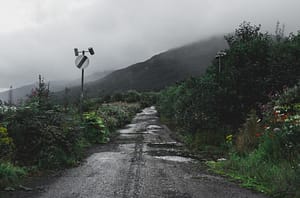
82,61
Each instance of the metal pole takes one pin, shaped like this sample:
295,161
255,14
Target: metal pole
81,95
82,80
219,64
10,96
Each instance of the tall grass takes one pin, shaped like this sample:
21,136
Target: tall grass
279,179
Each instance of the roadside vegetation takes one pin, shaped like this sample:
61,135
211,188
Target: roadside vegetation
39,135
246,107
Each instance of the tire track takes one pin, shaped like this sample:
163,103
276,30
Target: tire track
133,182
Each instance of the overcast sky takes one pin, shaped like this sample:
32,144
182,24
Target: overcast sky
38,36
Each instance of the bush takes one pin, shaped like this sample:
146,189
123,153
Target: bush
117,114
192,106
148,99
6,144
10,174
95,130
248,137
41,136
271,162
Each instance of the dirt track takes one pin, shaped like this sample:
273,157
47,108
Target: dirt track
143,161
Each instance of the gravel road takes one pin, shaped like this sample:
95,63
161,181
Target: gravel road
143,161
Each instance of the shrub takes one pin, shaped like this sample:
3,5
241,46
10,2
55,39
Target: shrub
95,130
40,135
248,137
10,174
271,164
148,99
117,114
6,144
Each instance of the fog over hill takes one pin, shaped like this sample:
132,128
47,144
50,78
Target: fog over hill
159,71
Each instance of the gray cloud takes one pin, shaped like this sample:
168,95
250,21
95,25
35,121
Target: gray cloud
42,34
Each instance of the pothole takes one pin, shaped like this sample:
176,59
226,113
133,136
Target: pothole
165,145
126,131
153,127
168,152
171,155
128,135
174,158
130,126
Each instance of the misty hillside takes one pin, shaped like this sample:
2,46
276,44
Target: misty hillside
160,70
55,86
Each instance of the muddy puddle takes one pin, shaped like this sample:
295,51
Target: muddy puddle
169,154
153,127
126,131
175,158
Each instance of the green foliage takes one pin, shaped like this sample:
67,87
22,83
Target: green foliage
117,114
132,96
191,104
146,99
279,179
46,136
257,67
248,138
204,141
43,136
40,95
282,126
95,130
42,133
6,144
273,164
10,174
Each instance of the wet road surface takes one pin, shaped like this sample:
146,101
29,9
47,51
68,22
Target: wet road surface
143,161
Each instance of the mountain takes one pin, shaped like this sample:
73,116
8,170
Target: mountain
156,73
159,71
55,86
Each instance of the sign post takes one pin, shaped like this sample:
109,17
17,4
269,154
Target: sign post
82,62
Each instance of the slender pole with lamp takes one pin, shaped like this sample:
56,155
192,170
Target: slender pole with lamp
82,62
219,55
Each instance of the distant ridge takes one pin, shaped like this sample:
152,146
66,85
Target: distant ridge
159,71
154,74
55,86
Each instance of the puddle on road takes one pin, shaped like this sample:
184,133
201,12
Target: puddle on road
128,126
153,127
126,131
127,135
148,111
165,145
171,155
174,158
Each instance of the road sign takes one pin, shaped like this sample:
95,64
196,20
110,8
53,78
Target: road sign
82,62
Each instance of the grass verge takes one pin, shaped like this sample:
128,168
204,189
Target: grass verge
277,179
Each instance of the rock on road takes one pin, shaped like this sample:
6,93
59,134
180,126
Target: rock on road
143,161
